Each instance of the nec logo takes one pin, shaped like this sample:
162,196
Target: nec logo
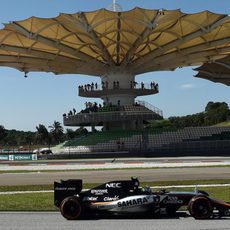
113,185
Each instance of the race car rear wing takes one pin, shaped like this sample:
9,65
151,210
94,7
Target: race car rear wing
66,188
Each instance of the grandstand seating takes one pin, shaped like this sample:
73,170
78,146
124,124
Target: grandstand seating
153,139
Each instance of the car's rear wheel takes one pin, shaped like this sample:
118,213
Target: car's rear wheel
200,208
71,208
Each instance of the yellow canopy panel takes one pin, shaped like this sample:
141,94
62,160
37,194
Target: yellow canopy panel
94,43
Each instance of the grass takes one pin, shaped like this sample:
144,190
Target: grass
25,188
223,124
91,185
44,201
27,202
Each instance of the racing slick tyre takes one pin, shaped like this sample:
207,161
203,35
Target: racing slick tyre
71,208
200,208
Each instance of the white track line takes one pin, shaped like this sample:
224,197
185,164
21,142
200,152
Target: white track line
114,166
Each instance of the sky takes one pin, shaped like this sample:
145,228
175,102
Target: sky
42,98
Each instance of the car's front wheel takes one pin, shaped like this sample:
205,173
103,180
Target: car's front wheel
71,208
200,208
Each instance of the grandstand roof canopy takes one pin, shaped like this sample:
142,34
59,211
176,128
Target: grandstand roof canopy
217,71
93,43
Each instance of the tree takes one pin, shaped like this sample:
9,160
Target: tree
2,132
42,134
70,134
216,112
57,131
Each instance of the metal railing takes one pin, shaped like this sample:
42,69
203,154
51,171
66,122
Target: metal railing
106,86
151,107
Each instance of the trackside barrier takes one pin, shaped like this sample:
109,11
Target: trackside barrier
19,157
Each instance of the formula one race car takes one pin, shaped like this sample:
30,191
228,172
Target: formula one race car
126,197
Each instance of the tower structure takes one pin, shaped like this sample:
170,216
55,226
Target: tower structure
115,46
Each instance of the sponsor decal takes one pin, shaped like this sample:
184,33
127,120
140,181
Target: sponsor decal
99,191
172,200
4,157
111,198
91,198
133,202
65,189
156,199
113,185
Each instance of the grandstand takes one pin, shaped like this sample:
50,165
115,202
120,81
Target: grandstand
190,139
115,117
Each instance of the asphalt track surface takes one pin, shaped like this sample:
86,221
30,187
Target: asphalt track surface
125,160
54,221
99,176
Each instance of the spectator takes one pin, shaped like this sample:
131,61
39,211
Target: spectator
142,85
122,145
134,84
117,85
88,87
156,86
118,145
131,84
92,86
103,85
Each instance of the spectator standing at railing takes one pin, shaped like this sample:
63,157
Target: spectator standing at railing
70,113
103,85
142,85
156,86
96,85
118,145
134,84
118,85
122,145
131,84
74,111
92,86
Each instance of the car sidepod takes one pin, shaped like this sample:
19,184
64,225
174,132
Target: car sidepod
136,203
